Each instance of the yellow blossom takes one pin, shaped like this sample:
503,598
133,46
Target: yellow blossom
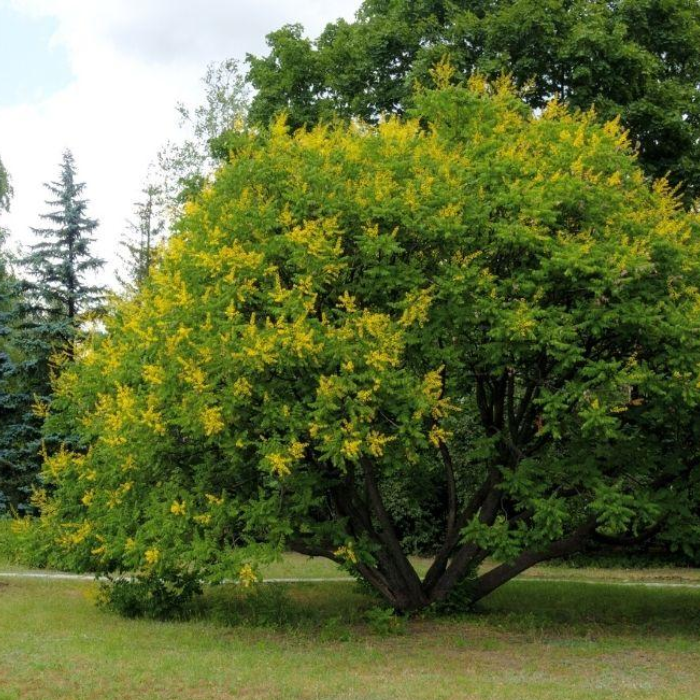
153,374
242,388
178,508
193,375
152,556
351,448
365,395
297,449
212,420
154,420
346,552
376,443
438,436
432,384
347,302
279,464
247,576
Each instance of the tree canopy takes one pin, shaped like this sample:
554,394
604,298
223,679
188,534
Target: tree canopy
636,58
478,304
5,188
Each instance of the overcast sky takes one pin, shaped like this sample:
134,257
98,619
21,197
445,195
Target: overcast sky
102,77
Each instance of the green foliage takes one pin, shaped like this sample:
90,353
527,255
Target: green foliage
495,310
152,598
5,188
384,621
636,58
460,599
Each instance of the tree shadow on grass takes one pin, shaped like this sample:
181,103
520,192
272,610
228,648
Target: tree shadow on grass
338,610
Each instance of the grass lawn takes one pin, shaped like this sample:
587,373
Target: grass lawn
531,640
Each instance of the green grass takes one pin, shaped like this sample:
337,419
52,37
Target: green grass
529,641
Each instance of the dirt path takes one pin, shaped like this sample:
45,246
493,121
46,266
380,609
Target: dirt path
57,576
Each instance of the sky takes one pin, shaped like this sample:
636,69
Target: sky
102,78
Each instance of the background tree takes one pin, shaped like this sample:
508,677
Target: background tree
12,484
42,319
24,390
636,58
497,312
20,436
5,188
140,241
184,166
61,266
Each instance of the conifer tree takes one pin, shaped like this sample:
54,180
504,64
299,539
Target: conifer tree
61,293
139,241
20,437
24,379
40,318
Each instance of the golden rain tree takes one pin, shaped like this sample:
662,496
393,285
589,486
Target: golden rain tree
479,300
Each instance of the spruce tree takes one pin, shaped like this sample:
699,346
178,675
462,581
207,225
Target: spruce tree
60,294
41,322
24,380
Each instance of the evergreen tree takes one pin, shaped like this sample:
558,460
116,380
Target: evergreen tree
24,386
40,320
140,239
60,294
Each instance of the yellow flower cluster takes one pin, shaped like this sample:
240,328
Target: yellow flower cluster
376,442
346,552
279,464
247,576
153,374
152,556
178,508
212,421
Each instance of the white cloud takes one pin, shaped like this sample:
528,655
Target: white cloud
132,61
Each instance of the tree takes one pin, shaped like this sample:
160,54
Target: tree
140,241
639,59
496,308
43,317
5,188
20,436
184,167
61,263
13,484
24,391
